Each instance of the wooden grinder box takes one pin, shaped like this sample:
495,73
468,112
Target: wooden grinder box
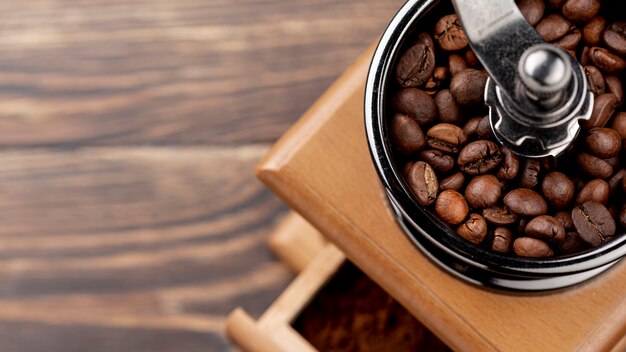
322,169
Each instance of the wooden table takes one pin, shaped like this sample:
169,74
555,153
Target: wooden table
130,216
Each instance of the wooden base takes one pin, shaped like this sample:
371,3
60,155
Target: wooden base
322,168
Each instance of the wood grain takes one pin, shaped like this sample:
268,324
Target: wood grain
187,72
146,248
323,169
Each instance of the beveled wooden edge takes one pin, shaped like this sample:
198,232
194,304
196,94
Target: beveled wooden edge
295,241
273,331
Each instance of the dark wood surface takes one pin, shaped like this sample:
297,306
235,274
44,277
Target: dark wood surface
130,218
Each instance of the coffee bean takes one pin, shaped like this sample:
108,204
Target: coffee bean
456,64
593,223
502,240
436,81
417,104
446,137
440,162
553,27
406,135
483,191
603,108
615,182
468,87
596,190
479,157
529,174
454,182
449,33
604,142
565,219
595,79
572,243
546,228
532,10
474,229
471,126
570,40
423,182
531,247
615,87
592,32
415,66
593,166
406,170
622,217
472,59
526,202
581,10
585,58
615,37
619,124
451,207
426,39
606,61
499,215
558,189
510,166
483,130
449,110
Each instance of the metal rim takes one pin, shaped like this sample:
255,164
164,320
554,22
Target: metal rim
425,223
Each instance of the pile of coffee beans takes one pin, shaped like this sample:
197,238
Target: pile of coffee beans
488,195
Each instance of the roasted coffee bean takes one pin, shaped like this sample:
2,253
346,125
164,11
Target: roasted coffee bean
531,247
474,229
570,40
406,135
472,59
546,228
510,166
622,217
593,223
594,166
572,243
426,39
415,66
468,87
614,37
604,106
449,110
449,33
446,137
499,215
423,182
436,81
417,104
471,126
440,162
558,189
615,87
532,10
483,130
454,182
456,64
604,142
565,219
502,240
615,182
479,157
585,58
595,79
483,191
619,124
553,27
606,61
596,190
406,170
529,174
451,207
581,10
592,32
526,202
